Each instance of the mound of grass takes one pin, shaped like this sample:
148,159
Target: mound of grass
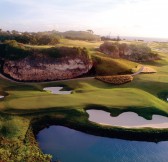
116,79
80,35
105,65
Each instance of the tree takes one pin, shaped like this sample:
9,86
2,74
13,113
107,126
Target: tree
110,48
123,48
118,38
90,31
14,32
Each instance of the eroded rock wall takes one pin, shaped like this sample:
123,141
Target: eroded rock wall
42,68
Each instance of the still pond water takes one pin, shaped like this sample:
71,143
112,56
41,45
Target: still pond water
68,145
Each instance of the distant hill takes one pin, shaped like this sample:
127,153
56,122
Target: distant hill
80,35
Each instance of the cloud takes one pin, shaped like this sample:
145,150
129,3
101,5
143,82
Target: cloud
123,17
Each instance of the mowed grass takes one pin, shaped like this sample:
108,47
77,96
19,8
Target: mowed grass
86,92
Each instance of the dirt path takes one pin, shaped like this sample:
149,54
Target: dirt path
13,81
138,72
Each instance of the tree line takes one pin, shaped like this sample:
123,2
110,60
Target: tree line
39,38
47,37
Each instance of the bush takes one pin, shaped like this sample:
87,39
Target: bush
8,129
110,49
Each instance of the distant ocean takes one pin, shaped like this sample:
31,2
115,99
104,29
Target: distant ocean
144,39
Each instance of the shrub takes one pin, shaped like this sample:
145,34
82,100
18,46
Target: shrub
133,52
9,129
110,48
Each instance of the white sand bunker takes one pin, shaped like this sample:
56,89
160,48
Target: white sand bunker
1,96
127,119
56,90
147,70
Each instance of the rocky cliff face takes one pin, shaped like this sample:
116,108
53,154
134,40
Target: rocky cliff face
41,68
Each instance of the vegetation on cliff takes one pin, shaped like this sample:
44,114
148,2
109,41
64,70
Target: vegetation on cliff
139,52
12,50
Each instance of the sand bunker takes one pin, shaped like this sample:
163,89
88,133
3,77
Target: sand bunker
1,96
127,119
56,90
147,70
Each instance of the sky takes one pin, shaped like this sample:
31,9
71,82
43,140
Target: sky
143,18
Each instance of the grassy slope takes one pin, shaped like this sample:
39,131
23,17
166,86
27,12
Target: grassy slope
105,65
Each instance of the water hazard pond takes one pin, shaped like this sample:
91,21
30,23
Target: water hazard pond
68,145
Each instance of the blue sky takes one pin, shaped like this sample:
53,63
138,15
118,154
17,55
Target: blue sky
146,18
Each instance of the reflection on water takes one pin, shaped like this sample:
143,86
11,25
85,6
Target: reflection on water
68,145
127,119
